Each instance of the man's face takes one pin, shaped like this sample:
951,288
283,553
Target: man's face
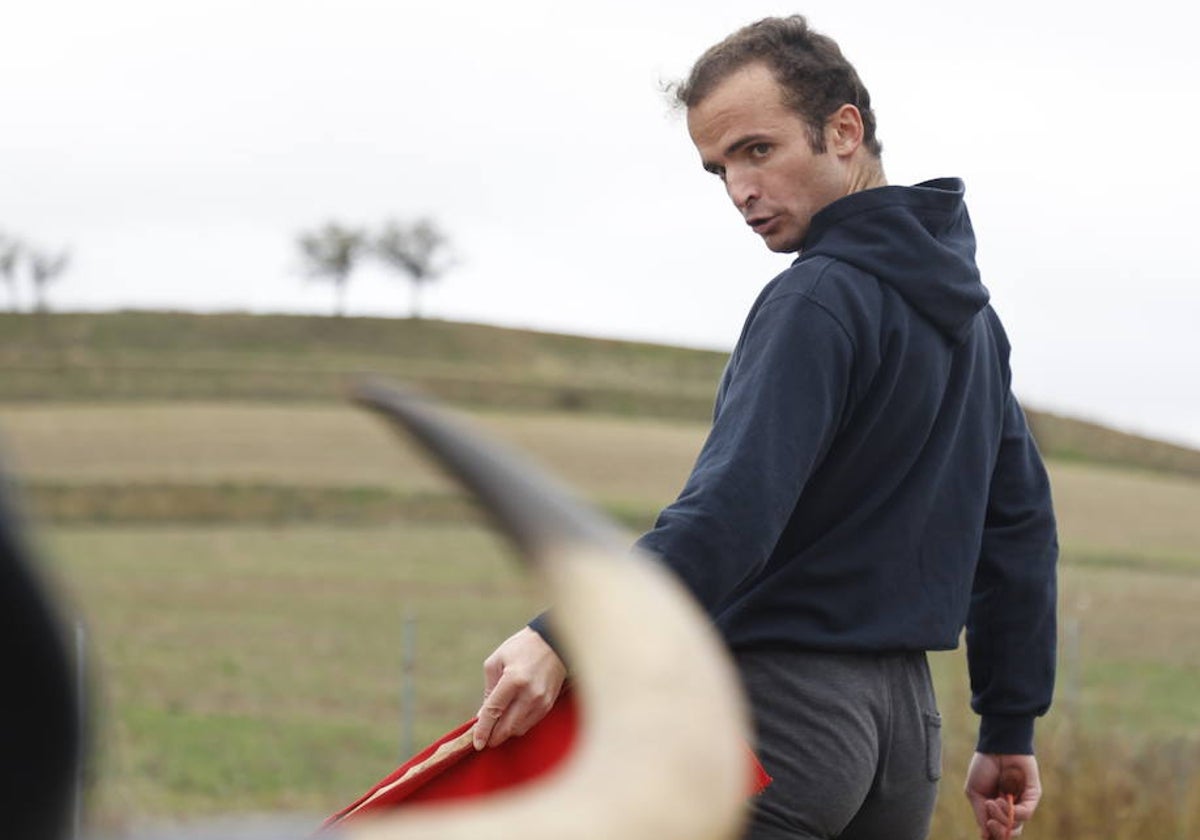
760,149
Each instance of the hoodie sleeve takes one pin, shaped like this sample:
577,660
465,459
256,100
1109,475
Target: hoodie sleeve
1011,631
785,392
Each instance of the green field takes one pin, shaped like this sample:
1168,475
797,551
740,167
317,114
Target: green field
245,567
259,668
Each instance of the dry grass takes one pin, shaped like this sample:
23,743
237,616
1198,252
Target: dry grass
1136,516
199,442
139,355
1106,514
634,461
1067,438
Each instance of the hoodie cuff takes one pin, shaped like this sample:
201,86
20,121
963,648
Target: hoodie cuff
1006,735
540,625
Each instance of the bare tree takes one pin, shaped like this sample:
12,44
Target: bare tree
11,251
44,268
332,253
420,251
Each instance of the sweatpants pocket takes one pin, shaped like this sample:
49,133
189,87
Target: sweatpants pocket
933,746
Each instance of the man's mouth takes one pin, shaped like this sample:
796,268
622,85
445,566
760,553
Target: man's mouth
760,223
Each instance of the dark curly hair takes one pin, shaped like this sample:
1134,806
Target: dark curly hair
815,77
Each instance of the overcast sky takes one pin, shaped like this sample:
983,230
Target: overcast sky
178,147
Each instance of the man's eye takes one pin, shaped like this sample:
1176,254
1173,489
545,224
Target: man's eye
760,150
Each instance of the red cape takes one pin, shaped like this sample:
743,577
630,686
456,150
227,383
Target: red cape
451,768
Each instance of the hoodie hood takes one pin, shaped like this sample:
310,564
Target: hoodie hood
918,240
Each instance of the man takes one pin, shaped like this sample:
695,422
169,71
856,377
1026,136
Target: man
869,485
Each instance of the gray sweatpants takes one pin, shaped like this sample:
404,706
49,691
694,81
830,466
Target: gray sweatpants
853,742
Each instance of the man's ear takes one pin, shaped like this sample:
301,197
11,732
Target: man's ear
844,130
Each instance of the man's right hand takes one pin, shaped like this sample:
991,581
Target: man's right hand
521,680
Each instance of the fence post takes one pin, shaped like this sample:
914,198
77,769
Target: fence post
1074,667
408,678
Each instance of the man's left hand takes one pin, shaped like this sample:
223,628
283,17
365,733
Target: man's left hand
988,801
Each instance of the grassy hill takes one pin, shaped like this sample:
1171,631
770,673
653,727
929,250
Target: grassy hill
150,355
139,356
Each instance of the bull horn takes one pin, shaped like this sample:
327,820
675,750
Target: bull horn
660,753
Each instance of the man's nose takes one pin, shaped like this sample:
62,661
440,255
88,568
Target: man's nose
742,189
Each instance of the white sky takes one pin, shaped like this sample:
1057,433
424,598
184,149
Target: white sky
178,147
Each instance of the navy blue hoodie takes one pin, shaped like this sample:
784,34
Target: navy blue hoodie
869,483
